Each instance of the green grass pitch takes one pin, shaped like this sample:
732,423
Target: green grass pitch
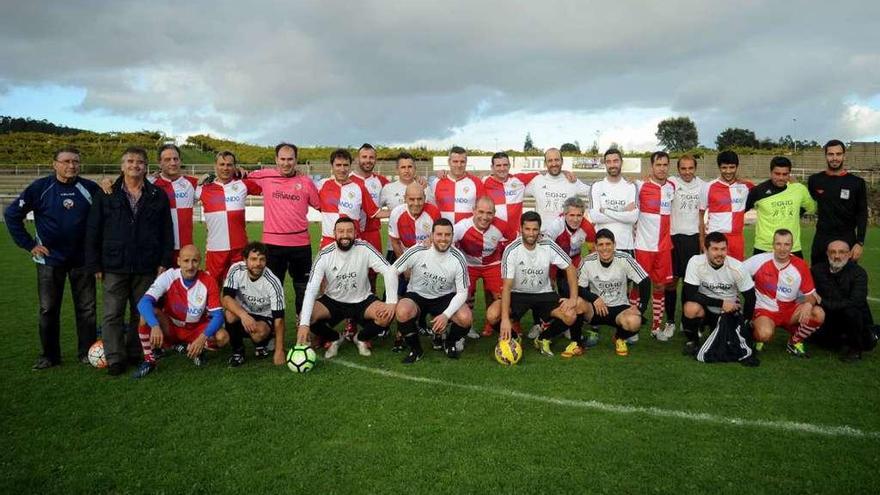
653,422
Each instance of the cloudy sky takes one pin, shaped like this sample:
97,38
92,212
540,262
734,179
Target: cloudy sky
477,73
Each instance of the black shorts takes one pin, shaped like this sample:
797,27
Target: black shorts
684,247
344,311
430,306
540,304
268,319
611,317
295,260
711,315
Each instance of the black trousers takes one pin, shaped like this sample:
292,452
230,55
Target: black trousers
50,287
295,260
848,326
121,340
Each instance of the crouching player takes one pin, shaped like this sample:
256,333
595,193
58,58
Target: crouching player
602,286
189,317
712,284
525,272
780,279
438,284
254,301
344,266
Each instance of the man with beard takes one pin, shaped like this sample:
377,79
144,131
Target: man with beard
713,283
843,205
344,266
438,285
781,280
602,284
843,290
482,238
253,298
190,315
725,201
373,183
342,197
615,203
550,190
525,272
287,196
779,204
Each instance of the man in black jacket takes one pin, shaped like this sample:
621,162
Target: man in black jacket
129,241
843,288
843,204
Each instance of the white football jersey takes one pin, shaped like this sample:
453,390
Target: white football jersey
347,276
393,195
435,274
551,191
609,282
686,206
258,297
613,198
530,268
725,282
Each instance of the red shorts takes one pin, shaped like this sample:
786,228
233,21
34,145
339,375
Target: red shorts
185,334
736,245
491,276
374,237
217,263
781,318
658,265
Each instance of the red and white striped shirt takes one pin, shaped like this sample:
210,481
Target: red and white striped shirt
350,200
411,230
779,287
508,197
456,198
481,248
571,241
181,194
373,184
223,206
726,205
185,305
655,210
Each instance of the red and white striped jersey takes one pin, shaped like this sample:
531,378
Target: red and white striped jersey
456,198
481,248
350,200
223,206
409,230
185,305
373,184
181,194
778,287
726,205
508,197
655,210
685,218
570,240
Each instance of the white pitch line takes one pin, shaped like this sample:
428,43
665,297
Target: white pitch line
790,426
874,299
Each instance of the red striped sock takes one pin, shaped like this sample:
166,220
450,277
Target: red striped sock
658,302
634,296
144,334
804,330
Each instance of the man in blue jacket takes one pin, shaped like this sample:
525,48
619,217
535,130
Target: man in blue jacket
60,203
129,240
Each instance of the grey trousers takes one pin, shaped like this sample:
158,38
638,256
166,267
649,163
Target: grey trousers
50,288
121,341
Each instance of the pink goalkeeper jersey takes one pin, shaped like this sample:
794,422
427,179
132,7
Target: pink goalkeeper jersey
481,248
777,287
224,210
726,205
655,213
456,198
286,202
508,197
181,194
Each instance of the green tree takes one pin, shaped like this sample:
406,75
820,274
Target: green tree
528,145
570,148
734,137
677,134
